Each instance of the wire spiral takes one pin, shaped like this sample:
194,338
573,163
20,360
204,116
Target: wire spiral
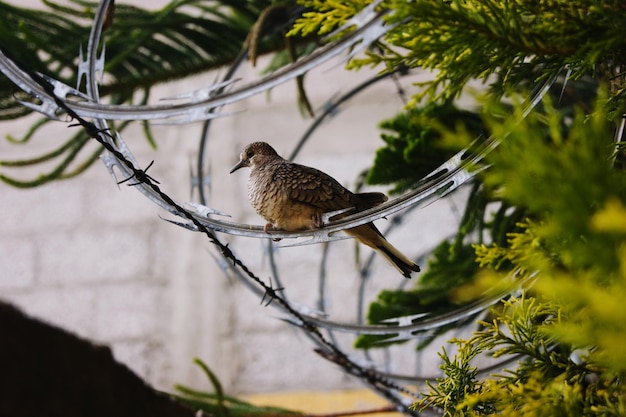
203,105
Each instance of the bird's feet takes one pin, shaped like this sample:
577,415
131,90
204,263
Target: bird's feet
316,221
266,230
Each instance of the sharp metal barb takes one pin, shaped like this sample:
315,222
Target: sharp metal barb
445,179
188,226
99,67
109,162
326,217
448,177
194,116
204,211
194,111
426,324
308,311
62,90
568,74
376,31
83,67
46,107
319,237
401,337
202,94
290,320
405,320
95,62
358,20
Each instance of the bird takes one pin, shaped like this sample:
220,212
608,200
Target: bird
293,197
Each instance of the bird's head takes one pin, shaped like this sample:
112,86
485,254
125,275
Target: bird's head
254,154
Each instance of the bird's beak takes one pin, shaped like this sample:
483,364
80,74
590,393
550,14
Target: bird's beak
242,163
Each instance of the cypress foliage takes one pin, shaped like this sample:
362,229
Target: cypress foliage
558,176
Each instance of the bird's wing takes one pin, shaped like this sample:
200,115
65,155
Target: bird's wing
313,187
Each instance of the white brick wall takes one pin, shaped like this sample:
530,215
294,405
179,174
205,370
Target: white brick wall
99,262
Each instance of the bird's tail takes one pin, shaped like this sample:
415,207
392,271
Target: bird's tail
397,259
369,235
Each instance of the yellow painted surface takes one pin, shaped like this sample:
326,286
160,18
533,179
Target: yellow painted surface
323,402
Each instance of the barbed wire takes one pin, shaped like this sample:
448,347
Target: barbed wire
55,98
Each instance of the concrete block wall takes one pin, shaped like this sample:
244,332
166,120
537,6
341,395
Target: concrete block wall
97,260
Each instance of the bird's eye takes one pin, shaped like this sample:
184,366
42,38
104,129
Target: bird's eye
249,154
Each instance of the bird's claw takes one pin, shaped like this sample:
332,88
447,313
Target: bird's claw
266,230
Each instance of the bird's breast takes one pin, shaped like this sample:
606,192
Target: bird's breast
272,203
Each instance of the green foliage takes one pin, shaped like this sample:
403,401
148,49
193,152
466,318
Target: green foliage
549,380
411,150
221,405
558,170
562,178
325,16
570,330
503,42
443,287
577,237
449,268
143,48
556,180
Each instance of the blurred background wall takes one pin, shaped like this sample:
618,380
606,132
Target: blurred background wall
97,259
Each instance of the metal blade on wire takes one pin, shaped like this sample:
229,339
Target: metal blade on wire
193,110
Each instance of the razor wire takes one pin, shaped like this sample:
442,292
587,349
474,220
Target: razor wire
202,105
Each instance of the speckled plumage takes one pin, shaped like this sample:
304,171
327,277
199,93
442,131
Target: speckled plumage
293,197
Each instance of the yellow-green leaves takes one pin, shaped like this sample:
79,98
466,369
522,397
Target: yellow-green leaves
570,327
611,218
325,16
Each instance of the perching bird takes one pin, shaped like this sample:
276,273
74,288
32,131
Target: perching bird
294,197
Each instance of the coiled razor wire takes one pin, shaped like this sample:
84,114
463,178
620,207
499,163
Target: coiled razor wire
55,98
